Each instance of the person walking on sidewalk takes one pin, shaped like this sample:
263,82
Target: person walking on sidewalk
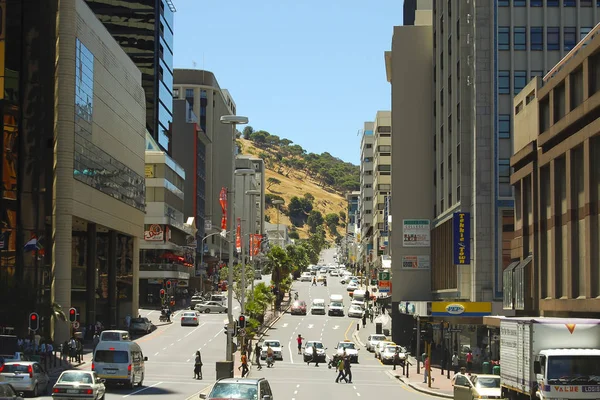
426,371
257,351
244,366
455,363
469,361
364,320
198,366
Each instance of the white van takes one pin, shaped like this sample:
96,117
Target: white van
220,298
119,362
359,295
115,336
338,298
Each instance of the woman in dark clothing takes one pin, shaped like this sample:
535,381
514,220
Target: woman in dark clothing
198,366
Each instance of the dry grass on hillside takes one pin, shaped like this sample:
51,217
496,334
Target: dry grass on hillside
296,183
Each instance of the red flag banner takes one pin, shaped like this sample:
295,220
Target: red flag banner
238,236
257,243
223,202
251,252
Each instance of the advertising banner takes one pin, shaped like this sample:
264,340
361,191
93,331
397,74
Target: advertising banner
415,262
238,236
461,238
384,286
223,202
416,233
154,233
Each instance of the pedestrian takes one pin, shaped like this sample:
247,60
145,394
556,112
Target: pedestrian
257,351
299,339
364,320
249,349
347,369
426,371
340,369
469,361
371,313
314,282
198,366
244,366
455,363
396,357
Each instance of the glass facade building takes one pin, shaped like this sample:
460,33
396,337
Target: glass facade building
144,29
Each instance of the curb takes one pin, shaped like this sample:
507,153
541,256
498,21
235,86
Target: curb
420,389
357,339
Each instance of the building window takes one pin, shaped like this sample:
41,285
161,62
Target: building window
537,38
176,93
504,126
569,37
552,3
501,3
520,38
569,3
520,3
583,32
504,170
553,38
535,3
520,80
504,82
84,89
504,38
585,3
537,73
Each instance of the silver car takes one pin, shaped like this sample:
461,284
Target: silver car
75,384
190,318
25,376
211,307
373,340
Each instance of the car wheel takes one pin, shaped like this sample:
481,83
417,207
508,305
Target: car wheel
207,311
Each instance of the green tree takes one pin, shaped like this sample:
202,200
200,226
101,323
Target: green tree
310,197
237,279
262,299
260,138
298,257
280,266
294,235
272,181
343,215
269,197
247,132
315,218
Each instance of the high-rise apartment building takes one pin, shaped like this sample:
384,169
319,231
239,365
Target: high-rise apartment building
484,54
382,182
144,29
209,102
365,203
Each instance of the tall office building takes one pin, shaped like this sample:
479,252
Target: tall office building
484,54
382,183
144,29
365,204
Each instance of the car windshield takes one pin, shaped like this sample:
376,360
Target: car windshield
234,390
336,304
318,304
189,314
355,307
487,382
391,349
346,345
15,368
317,345
376,338
69,377
299,304
273,344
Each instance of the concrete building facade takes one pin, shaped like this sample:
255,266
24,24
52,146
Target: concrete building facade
98,202
366,194
412,160
556,179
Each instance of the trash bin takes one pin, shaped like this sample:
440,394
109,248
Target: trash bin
496,370
486,368
224,369
378,328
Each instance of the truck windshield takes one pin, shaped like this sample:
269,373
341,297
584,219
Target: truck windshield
569,369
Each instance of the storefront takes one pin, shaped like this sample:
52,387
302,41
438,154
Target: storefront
406,316
458,327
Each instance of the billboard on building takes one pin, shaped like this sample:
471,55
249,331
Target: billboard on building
416,233
461,238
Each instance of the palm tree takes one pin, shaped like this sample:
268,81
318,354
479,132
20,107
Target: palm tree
280,265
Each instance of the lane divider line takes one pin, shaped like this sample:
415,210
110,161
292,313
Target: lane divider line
141,390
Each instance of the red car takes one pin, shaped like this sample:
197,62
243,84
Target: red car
299,307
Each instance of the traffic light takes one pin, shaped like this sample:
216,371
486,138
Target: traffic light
34,321
72,314
242,322
162,293
168,285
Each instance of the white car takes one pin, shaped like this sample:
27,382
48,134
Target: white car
389,352
309,349
323,270
211,307
352,286
190,318
359,303
373,341
336,308
275,346
25,376
381,346
347,279
318,306
355,311
306,277
350,348
333,272
77,384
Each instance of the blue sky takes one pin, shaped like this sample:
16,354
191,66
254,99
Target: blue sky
307,70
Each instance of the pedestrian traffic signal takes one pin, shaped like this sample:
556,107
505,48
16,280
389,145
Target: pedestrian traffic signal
162,293
34,321
72,314
168,285
242,322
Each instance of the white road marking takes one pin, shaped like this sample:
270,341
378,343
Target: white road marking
188,360
179,340
354,387
310,326
291,355
336,327
147,315
198,327
164,348
285,325
172,344
156,353
295,392
297,386
204,345
142,389
358,394
217,335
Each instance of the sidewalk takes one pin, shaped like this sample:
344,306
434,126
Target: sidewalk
62,365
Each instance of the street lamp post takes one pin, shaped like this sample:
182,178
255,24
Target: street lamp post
243,173
232,120
251,227
278,202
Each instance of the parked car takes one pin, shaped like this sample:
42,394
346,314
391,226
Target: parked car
189,318
211,307
8,392
240,388
352,286
299,307
76,384
140,325
478,387
25,376
355,311
373,340
389,352
381,346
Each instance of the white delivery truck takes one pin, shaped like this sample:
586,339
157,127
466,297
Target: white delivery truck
550,358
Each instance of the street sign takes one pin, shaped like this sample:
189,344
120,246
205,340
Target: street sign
76,324
241,332
373,282
384,276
